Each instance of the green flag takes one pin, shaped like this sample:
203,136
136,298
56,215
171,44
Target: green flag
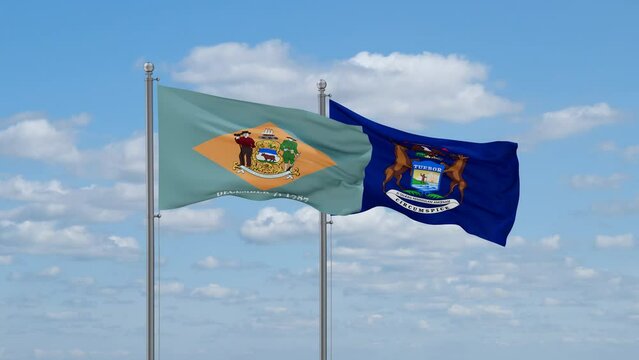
211,147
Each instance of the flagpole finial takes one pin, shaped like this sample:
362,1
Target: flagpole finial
321,85
148,67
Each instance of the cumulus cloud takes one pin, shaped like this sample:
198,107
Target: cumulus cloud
629,153
44,237
62,315
570,121
405,235
423,324
214,291
479,310
272,225
37,138
405,90
51,272
415,88
208,262
490,278
17,188
550,242
374,318
170,288
51,200
397,231
122,160
191,220
6,259
582,272
597,181
276,309
548,301
615,241
353,268
628,206
83,281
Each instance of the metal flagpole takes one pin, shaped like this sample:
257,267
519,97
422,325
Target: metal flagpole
321,86
150,243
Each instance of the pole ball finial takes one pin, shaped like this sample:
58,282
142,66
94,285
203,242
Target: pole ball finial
321,85
148,67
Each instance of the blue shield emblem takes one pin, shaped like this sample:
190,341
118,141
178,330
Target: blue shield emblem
425,176
267,155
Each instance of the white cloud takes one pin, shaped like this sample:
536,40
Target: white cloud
272,226
423,324
51,200
490,278
413,87
550,242
214,291
406,90
74,353
38,139
628,206
83,281
124,242
353,268
516,240
17,188
570,121
6,259
495,310
597,181
551,301
584,272
170,288
208,262
460,310
33,237
123,160
276,309
618,241
479,310
62,315
191,220
77,353
51,271
608,146
391,230
631,153
373,318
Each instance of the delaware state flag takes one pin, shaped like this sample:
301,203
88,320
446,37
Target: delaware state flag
438,181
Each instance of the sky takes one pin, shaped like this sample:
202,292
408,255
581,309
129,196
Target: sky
239,279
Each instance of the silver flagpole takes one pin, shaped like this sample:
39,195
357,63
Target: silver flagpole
321,86
150,243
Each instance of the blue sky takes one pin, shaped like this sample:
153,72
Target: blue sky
558,77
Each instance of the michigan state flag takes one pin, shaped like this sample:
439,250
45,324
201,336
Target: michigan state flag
438,181
211,146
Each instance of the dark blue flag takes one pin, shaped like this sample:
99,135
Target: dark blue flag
438,181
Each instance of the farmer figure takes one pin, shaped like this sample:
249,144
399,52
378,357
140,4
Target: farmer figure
246,147
289,152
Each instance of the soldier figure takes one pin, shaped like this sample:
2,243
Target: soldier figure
289,152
